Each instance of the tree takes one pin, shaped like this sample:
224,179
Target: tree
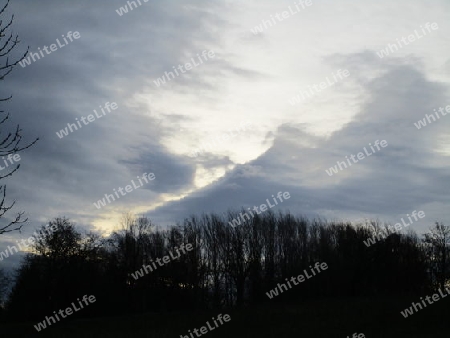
56,272
4,284
58,240
437,241
10,143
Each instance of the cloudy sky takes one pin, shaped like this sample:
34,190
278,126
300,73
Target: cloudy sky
252,78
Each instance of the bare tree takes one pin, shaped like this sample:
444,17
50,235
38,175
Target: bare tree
10,142
437,242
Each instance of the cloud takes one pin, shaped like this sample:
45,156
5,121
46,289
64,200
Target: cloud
251,79
407,175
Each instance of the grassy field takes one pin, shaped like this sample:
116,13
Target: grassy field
327,318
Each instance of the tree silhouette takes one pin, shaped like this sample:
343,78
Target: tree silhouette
437,243
10,144
4,284
228,266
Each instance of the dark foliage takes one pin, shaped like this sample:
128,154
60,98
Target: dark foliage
228,267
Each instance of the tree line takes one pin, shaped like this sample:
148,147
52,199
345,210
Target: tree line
227,267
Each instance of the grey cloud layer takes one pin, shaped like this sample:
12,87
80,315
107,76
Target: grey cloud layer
110,62
406,175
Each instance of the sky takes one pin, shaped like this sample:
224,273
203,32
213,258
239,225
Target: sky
240,100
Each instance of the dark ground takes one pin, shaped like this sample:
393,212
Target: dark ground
379,318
